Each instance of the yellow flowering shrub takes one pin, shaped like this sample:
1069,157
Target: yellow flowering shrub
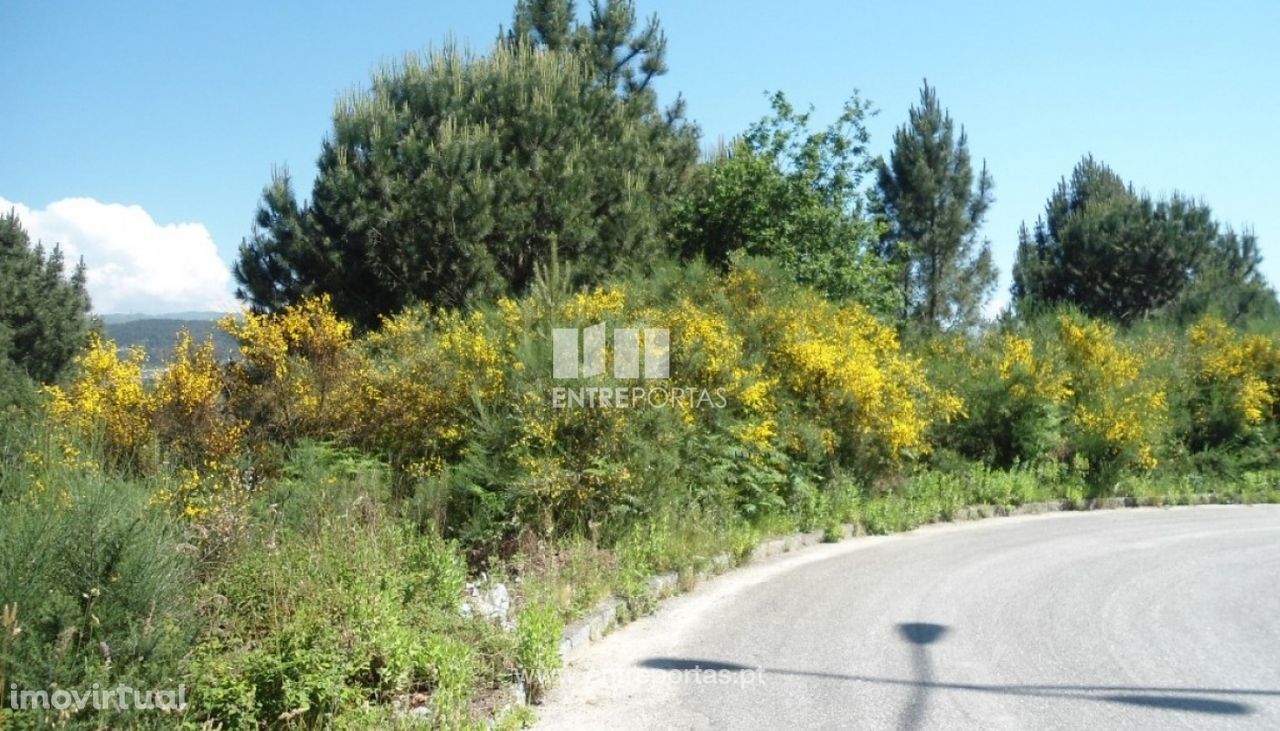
1240,370
309,329
749,292
106,403
1031,375
705,352
183,415
466,345
853,372
198,492
197,429
1013,387
1119,411
42,464
804,390
569,464
590,307
758,433
757,395
426,372
191,413
298,375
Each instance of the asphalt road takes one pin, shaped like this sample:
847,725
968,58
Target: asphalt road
1132,619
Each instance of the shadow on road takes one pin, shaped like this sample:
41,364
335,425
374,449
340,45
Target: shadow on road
1180,703
920,635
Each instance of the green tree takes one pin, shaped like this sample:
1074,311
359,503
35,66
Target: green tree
1228,284
620,55
278,264
43,313
456,175
935,206
1116,253
794,195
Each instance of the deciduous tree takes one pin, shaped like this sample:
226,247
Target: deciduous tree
793,194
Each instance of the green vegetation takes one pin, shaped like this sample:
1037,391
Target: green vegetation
298,582
382,513
794,195
95,583
329,609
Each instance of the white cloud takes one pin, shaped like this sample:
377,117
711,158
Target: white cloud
133,263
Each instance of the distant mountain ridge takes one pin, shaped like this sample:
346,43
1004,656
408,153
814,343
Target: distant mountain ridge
157,335
116,318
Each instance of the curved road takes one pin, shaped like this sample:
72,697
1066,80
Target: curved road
1134,619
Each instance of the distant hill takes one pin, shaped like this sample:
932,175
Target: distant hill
118,318
157,336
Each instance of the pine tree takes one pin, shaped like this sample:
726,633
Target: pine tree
451,179
621,57
272,260
1113,252
43,313
1228,285
935,207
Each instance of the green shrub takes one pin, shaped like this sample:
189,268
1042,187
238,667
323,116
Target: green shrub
1013,392
320,481
17,392
98,585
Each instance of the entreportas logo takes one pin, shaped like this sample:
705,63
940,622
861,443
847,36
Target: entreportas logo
626,352
638,354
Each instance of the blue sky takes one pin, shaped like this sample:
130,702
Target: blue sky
140,134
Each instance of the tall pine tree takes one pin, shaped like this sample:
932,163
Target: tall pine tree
1229,285
43,313
456,175
621,56
935,206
